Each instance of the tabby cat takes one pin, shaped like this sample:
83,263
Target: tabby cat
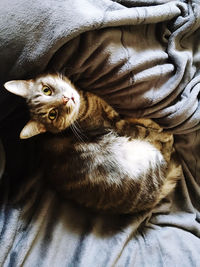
90,154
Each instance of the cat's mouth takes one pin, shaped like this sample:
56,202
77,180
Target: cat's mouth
70,103
66,99
70,106
69,109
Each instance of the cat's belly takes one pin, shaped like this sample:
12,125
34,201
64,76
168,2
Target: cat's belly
113,174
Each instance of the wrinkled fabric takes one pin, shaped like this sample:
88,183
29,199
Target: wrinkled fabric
143,57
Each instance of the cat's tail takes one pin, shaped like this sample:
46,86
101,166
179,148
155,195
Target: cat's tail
173,174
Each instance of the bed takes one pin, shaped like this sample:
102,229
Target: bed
143,57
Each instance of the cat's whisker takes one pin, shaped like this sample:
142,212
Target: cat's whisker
76,133
79,129
83,137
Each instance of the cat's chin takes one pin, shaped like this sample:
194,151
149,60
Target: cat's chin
70,119
70,107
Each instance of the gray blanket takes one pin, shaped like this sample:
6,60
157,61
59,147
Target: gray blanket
143,57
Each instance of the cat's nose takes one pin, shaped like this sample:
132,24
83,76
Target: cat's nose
65,99
72,98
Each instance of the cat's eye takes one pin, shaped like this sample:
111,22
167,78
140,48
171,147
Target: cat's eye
46,90
52,114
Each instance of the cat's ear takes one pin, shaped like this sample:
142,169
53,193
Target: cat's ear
32,128
18,87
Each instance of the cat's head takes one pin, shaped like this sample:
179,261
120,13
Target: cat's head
53,103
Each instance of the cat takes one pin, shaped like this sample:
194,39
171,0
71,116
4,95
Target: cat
93,156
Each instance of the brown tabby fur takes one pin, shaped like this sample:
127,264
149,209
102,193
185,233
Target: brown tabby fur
99,159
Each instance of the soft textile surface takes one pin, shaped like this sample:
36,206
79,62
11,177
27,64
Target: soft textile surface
143,57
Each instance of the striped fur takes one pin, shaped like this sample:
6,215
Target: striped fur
95,157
